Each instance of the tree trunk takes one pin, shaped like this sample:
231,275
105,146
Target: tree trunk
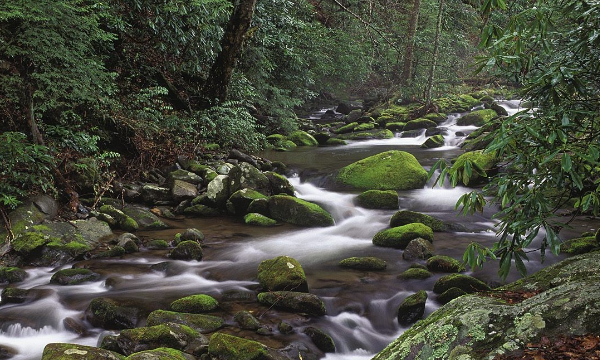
410,46
215,88
30,116
436,48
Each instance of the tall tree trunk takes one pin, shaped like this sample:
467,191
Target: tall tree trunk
30,117
215,88
410,45
436,48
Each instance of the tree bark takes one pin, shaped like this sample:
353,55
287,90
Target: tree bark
436,48
30,117
410,46
217,84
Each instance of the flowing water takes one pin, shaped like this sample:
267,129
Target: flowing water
361,305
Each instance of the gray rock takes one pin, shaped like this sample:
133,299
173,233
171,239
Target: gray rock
418,249
186,176
218,190
182,190
294,301
109,314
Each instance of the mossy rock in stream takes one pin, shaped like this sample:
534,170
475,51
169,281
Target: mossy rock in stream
246,320
435,141
195,304
187,250
437,117
378,199
298,212
144,218
418,249
279,184
202,323
420,123
257,219
59,351
396,126
477,118
348,128
336,142
390,170
302,138
483,161
171,335
294,301
111,315
28,242
399,237
450,295
412,308
73,276
162,353
282,273
228,347
321,339
124,222
414,274
239,201
12,275
12,295
444,263
579,245
466,283
364,263
405,217
368,135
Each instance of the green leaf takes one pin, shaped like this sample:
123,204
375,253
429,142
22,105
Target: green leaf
566,163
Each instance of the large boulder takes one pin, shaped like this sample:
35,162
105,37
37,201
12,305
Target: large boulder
58,351
298,212
444,263
420,123
240,200
257,219
477,118
170,335
73,276
378,199
483,161
183,175
109,314
405,217
246,320
282,273
195,304
12,274
279,184
565,302
181,190
466,283
218,191
187,250
144,218
412,308
200,322
390,170
123,221
229,347
433,142
418,249
399,237
245,175
321,339
368,135
294,301
302,138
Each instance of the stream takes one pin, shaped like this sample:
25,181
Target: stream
361,305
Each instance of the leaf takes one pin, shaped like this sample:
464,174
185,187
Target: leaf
566,163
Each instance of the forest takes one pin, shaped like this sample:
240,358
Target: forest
190,138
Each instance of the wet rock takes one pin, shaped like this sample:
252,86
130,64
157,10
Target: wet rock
236,154
124,221
183,175
285,328
202,210
499,109
145,219
249,177
405,217
343,108
223,346
73,276
218,190
390,170
129,242
279,184
15,295
466,283
302,138
298,212
368,135
7,352
378,199
433,142
246,320
154,194
169,335
161,354
157,244
412,308
109,314
444,263
354,115
187,250
411,133
436,131
240,200
322,340
192,234
109,342
414,273
77,352
477,118
418,249
260,206
395,126
181,190
282,273
200,322
450,295
322,137
335,142
238,296
399,237
420,123
258,220
482,162
75,326
293,301
195,304
348,128
573,246
437,117
363,263
12,275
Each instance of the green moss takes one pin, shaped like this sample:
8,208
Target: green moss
335,141
73,276
369,134
346,128
246,320
433,142
275,139
199,322
399,237
294,301
129,225
286,145
466,283
158,244
405,217
364,127
161,353
298,212
223,346
390,170
12,274
414,273
282,273
437,117
29,241
302,138
56,351
195,304
212,147
485,161
444,263
363,263
124,221
378,199
477,118
395,126
579,245
167,335
258,220
420,123
450,294
115,251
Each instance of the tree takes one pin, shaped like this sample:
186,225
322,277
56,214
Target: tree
410,43
434,59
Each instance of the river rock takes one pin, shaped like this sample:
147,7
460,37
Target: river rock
153,194
302,138
246,320
192,234
348,128
200,322
181,190
466,283
390,170
129,243
187,250
322,137
257,219
279,184
7,352
444,263
240,200
183,175
399,237
73,276
368,135
75,326
217,190
335,142
202,210
378,199
195,304
169,335
499,109
31,212
412,308
405,217
420,123
12,295
415,273
124,221
161,354
575,246
144,218
395,126
60,351
298,212
12,275
260,206
238,155
294,301
483,161
434,141
321,339
450,295
282,273
224,346
437,117
418,248
109,314
476,118
343,108
364,263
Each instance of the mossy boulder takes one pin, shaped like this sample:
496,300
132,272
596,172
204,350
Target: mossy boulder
257,219
412,308
435,141
450,295
246,320
145,219
240,200
111,315
184,175
286,145
399,237
390,170
418,248
59,351
365,127
169,335
484,161
294,301
282,273
396,126
218,190
477,118
335,142
161,354
260,206
378,199
579,245
368,135
228,347
202,323
414,274
405,217
12,275
73,276
276,139
302,138
348,128
157,244
11,295
202,211
279,184
437,117
298,212
27,243
187,250
192,234
321,339
181,190
466,283
364,263
195,304
124,222
245,175
444,263
420,123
